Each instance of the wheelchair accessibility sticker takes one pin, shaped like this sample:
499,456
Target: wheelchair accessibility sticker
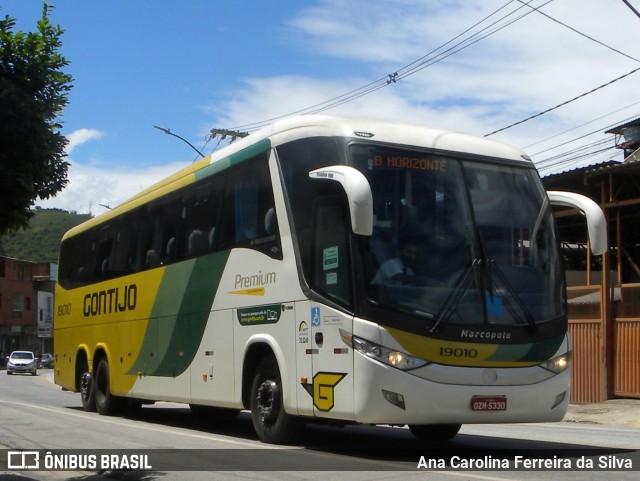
315,316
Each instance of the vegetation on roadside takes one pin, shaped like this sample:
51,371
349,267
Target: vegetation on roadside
40,240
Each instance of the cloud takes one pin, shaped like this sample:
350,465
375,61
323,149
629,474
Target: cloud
529,66
522,69
93,188
81,136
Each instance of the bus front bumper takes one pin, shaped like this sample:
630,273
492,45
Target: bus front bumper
386,395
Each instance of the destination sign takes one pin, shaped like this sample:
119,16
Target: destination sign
390,161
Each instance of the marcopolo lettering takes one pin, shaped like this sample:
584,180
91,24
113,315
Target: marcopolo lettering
110,301
472,334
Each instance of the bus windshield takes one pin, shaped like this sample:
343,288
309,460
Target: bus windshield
458,241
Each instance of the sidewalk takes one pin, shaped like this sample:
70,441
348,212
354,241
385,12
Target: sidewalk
614,412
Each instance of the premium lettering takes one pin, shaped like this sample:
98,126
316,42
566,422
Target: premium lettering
259,279
110,301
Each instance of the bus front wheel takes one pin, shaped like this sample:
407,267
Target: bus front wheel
434,434
270,421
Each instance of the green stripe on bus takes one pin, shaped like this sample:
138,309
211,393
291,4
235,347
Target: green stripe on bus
174,330
234,159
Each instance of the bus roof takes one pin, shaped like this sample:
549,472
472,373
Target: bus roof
293,128
392,131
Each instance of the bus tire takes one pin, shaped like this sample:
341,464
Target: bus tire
106,403
271,422
434,434
87,392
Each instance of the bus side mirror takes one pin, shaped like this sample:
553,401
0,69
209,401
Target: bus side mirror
596,222
358,191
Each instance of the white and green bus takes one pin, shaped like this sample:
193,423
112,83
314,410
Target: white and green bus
350,270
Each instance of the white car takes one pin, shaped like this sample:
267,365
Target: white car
22,361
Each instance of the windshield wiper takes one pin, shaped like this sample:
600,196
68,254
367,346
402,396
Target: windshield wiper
521,305
453,299
486,268
487,265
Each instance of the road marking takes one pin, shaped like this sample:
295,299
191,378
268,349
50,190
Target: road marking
173,432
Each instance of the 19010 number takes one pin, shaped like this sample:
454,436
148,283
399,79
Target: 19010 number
458,352
64,309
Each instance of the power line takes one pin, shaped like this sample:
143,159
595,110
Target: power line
473,39
434,57
596,131
581,149
576,161
583,125
564,103
631,7
463,44
599,130
592,152
409,69
579,32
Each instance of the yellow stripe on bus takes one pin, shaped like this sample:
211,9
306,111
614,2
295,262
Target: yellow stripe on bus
451,353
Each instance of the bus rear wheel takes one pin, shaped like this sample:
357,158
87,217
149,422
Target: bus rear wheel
87,392
106,403
270,420
434,434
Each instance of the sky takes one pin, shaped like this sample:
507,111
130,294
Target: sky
195,65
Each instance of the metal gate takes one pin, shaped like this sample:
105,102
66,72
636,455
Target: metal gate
606,362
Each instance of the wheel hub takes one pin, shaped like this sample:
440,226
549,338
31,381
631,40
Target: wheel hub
85,383
268,401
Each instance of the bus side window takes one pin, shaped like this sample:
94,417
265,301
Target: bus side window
171,222
249,218
122,259
199,211
214,211
148,256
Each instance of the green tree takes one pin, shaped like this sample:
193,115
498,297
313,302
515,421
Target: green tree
33,94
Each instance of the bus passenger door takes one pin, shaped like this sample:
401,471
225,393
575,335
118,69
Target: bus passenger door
332,359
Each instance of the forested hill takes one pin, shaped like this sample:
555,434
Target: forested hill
40,242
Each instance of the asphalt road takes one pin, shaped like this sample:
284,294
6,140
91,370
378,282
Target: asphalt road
37,416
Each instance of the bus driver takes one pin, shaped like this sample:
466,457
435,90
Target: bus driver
399,270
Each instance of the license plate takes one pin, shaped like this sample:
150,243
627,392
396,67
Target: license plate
489,403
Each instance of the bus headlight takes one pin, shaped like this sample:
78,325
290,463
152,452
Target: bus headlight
390,357
557,364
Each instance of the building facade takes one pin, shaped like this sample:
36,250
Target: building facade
26,306
604,291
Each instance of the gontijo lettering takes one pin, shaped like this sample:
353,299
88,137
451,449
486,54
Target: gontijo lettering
110,300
